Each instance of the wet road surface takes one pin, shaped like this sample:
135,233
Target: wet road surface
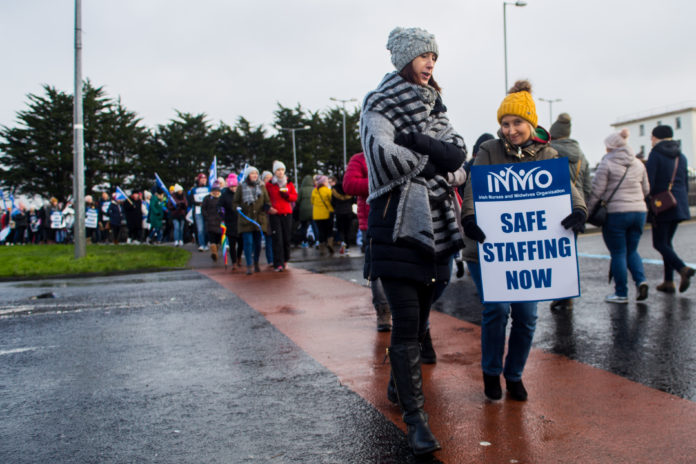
176,367
168,368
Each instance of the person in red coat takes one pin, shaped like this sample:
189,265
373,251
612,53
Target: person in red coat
282,194
355,182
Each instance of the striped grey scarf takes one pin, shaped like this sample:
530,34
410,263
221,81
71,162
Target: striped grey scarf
250,192
425,212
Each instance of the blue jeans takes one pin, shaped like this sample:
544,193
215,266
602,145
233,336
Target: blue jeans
493,326
252,247
622,233
268,245
200,230
178,225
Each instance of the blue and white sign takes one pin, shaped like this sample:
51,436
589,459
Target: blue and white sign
527,255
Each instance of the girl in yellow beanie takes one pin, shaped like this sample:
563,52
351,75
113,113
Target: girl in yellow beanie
520,140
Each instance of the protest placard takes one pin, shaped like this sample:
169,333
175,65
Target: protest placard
527,255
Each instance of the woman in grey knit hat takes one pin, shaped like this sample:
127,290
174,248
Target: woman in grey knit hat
410,148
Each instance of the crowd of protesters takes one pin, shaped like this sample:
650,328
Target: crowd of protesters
258,211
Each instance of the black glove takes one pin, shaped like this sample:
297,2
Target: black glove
576,221
471,230
429,171
406,139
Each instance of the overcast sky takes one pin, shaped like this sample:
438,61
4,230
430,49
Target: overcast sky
604,59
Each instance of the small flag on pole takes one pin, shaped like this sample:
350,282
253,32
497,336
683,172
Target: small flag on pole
120,194
161,185
212,173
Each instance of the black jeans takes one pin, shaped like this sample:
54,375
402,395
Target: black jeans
343,223
410,303
281,230
662,235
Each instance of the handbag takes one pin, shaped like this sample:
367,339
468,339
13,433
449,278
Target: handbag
598,215
664,201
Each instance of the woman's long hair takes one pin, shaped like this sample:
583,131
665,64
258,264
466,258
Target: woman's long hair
410,75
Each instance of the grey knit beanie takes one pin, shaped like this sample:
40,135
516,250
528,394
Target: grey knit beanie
407,43
561,128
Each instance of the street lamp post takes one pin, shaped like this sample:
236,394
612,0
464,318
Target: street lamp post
550,101
344,126
505,4
292,130
78,143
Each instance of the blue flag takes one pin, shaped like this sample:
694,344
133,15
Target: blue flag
212,173
161,185
240,177
120,194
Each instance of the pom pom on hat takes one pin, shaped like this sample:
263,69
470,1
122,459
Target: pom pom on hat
662,132
407,43
278,165
617,140
519,102
561,128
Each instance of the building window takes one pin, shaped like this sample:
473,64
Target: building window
641,130
677,122
659,123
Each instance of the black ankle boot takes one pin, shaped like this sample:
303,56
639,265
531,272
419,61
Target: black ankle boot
408,380
427,352
516,390
491,386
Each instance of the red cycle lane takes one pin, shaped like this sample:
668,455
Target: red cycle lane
575,413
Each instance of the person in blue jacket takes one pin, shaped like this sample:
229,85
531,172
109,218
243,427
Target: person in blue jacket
664,157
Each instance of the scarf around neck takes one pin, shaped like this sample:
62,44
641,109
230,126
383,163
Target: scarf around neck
281,182
425,213
250,192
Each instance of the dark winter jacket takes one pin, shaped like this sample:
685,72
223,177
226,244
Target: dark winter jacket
660,166
342,203
211,215
179,210
355,182
304,199
579,173
226,205
256,211
133,210
20,218
115,215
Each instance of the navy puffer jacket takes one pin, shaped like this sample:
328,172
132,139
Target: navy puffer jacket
660,167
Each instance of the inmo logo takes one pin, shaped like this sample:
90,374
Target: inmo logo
513,181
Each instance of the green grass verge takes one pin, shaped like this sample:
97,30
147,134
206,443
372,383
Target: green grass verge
47,260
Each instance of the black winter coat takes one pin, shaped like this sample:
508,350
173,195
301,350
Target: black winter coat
660,166
400,259
134,213
229,212
211,216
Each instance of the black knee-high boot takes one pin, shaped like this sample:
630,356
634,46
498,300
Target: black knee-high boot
406,371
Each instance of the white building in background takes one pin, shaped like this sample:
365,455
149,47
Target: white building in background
682,119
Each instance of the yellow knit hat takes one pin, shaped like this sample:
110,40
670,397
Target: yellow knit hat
519,102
